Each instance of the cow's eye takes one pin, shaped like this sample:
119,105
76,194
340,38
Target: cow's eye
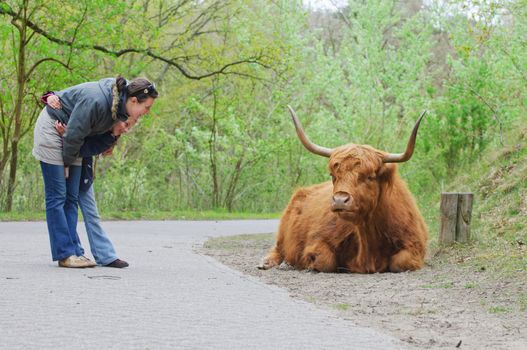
366,178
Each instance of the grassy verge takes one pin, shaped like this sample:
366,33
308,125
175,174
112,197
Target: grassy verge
160,215
499,217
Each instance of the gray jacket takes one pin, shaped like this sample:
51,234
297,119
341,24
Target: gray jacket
86,109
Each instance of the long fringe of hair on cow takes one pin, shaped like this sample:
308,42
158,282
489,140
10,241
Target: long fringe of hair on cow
365,220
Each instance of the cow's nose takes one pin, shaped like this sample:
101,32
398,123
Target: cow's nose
341,201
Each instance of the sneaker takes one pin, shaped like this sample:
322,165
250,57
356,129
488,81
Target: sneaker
74,261
118,263
88,261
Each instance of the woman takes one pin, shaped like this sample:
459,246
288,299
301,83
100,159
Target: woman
88,109
100,244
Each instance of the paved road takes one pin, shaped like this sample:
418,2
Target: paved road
170,297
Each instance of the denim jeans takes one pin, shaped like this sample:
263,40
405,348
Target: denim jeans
100,245
61,209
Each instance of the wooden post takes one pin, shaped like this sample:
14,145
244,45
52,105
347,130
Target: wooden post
447,234
456,213
464,215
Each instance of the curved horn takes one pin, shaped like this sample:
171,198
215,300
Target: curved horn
321,151
403,157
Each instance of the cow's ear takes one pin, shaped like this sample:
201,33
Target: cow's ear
386,172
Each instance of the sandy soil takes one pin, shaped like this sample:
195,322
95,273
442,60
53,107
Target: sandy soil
442,306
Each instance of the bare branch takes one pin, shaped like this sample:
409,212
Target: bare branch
29,38
222,70
14,22
341,14
164,15
147,52
35,9
28,74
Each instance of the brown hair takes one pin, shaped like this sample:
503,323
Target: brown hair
140,88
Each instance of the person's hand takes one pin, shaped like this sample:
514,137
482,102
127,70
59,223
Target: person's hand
61,128
66,172
54,102
120,128
108,152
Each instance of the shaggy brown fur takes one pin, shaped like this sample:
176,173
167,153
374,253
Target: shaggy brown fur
378,229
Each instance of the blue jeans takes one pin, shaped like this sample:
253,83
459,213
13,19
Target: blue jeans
61,209
100,245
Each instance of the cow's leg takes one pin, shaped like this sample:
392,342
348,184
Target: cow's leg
273,258
406,260
320,257
353,266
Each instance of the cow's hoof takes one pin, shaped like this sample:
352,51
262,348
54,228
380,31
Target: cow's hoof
285,266
265,264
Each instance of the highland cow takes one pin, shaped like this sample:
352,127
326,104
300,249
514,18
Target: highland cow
364,221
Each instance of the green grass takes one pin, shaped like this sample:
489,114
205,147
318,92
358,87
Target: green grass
342,307
159,215
22,216
499,218
498,310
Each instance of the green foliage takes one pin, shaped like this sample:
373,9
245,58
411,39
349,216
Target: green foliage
463,125
226,143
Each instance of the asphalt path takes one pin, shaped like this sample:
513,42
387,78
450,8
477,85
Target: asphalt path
169,298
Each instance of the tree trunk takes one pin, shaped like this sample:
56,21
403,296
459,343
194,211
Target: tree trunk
212,153
21,82
229,197
4,160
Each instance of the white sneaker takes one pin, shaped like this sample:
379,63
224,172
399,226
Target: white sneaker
74,261
88,261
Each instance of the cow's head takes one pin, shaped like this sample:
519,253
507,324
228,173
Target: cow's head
358,172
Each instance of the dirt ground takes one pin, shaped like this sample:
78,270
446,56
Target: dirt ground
442,306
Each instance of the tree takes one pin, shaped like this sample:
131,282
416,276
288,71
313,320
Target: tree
12,124
190,51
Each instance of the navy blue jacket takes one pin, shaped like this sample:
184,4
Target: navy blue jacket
93,146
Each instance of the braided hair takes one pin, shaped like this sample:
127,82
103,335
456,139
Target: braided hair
140,88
